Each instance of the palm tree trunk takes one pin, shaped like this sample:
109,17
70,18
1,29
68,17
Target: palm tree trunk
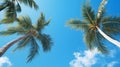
8,45
115,42
100,9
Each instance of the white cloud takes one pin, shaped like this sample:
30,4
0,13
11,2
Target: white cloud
111,64
87,60
4,60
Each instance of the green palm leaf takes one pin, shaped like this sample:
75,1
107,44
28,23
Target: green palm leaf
30,3
101,47
12,30
77,24
41,22
33,50
111,19
99,43
12,7
111,30
111,25
10,14
4,5
23,43
18,7
89,37
46,41
88,13
47,22
25,22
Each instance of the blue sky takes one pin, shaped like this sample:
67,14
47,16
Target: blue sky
69,49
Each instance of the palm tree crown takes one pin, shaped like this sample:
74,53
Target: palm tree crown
12,7
30,35
92,25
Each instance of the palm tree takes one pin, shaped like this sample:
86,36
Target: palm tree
97,27
31,36
12,7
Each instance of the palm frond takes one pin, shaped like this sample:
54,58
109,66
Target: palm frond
111,25
102,48
47,23
13,30
30,3
22,44
10,11
93,40
18,7
25,22
111,19
98,43
111,31
88,13
89,38
33,50
41,22
77,24
45,41
10,15
4,5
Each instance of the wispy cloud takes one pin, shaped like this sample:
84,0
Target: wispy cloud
5,60
86,60
112,53
111,64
